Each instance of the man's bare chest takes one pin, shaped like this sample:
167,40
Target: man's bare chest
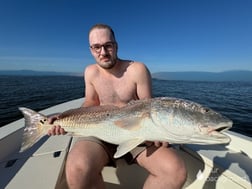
115,91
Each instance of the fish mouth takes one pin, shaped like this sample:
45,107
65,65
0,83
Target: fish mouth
221,127
215,134
218,132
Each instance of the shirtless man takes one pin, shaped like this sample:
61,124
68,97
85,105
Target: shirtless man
116,82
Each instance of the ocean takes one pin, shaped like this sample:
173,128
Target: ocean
232,99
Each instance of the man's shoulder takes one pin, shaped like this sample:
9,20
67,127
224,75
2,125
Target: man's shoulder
91,70
91,67
138,67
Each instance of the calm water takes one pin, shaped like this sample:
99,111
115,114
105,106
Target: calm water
233,99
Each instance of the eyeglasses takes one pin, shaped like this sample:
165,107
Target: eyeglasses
109,46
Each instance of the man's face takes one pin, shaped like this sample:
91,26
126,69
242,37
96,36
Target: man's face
103,47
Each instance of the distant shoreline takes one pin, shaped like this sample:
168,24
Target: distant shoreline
236,75
36,73
205,76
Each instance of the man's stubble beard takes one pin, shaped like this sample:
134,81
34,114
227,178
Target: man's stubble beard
109,64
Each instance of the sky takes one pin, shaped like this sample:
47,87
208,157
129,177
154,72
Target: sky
166,35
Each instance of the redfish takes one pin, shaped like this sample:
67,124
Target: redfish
158,119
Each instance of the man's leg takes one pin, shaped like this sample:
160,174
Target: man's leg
84,165
166,168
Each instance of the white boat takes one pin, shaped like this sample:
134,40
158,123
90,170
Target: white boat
42,167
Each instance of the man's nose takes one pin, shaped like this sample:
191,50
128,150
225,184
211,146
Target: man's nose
103,51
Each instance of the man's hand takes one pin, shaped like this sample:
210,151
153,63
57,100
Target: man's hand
56,129
157,143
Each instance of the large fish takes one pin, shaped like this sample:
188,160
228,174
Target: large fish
158,119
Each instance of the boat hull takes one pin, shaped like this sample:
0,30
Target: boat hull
208,166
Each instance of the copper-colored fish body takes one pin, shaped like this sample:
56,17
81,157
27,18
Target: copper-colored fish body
158,119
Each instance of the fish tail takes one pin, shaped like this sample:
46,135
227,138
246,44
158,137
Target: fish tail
33,131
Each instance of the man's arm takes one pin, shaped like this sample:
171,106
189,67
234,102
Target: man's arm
91,97
144,90
143,81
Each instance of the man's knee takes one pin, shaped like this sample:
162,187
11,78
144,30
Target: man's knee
180,175
86,158
77,166
176,171
170,167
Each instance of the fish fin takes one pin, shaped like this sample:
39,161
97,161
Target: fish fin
132,123
33,130
127,146
128,124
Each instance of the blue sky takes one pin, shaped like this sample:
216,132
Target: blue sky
167,35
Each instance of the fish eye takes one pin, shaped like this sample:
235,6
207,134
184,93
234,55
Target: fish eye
207,110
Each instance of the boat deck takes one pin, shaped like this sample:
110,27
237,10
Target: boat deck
42,166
